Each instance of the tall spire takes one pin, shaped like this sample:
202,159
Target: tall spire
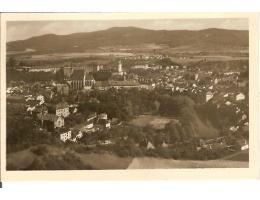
120,66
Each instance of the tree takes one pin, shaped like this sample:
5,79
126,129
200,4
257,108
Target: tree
11,63
59,76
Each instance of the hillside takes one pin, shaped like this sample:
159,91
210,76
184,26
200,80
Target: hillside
131,36
45,157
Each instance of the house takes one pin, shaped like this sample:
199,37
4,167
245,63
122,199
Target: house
93,100
92,116
102,116
38,109
65,136
244,117
62,89
105,123
88,125
225,95
243,144
30,109
215,81
240,97
40,98
123,84
209,95
105,142
76,135
50,121
73,108
150,145
234,128
30,99
228,103
165,145
62,109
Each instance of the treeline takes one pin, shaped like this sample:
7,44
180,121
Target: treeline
132,141
122,104
126,104
14,75
13,62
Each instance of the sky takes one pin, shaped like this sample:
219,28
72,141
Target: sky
20,30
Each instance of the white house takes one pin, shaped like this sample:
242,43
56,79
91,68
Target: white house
65,136
40,98
150,145
209,95
165,145
225,95
240,97
30,109
105,142
243,145
216,81
102,116
62,109
75,135
233,128
89,125
228,103
244,117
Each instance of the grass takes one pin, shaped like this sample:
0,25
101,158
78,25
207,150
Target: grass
23,159
157,122
104,161
238,156
158,163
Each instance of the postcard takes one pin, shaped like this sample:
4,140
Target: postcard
126,96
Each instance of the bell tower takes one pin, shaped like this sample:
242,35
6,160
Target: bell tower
120,70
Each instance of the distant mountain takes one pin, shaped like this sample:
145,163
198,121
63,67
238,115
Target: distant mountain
127,36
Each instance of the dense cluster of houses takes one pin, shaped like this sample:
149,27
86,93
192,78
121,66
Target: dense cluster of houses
222,89
53,117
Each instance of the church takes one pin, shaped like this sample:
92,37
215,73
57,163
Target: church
80,80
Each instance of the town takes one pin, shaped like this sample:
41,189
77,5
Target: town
90,104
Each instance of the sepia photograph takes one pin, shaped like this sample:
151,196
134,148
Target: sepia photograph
124,94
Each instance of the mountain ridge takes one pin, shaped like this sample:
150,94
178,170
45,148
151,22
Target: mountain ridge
127,36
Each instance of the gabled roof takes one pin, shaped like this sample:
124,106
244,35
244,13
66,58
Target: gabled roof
103,121
123,83
77,74
62,105
48,117
89,77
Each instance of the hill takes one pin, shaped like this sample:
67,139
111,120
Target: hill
132,36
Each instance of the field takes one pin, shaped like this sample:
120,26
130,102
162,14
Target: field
23,159
77,55
158,163
239,156
157,122
104,161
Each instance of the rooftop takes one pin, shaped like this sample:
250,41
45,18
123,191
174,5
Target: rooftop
77,74
62,105
47,117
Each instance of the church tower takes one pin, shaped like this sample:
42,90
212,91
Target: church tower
120,70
